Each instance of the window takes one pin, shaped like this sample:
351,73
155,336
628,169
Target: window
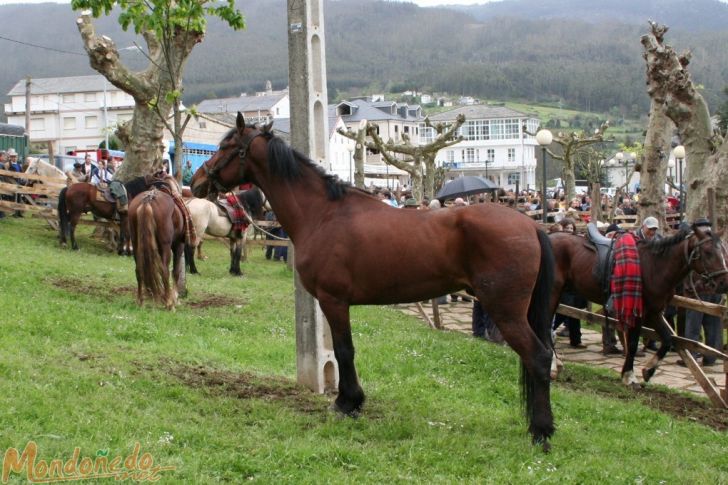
497,129
92,122
203,125
470,155
512,129
490,154
89,97
37,124
68,98
450,156
511,154
427,134
514,178
69,123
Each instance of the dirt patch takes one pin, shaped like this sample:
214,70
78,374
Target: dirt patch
248,386
679,406
211,301
91,288
110,293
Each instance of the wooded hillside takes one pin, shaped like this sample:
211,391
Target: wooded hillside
593,64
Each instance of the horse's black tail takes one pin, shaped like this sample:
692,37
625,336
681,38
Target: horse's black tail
62,215
190,259
540,315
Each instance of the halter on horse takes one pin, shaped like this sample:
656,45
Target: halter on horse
353,250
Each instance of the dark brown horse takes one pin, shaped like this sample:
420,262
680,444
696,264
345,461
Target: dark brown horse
157,228
664,264
351,249
83,197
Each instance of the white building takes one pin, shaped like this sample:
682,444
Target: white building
261,108
393,121
495,146
72,112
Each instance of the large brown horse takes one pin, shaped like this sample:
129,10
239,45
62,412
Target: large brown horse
664,264
351,249
157,228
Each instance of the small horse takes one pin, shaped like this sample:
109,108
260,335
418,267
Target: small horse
157,228
353,250
207,219
664,264
78,198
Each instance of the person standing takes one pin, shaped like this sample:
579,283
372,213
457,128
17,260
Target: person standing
14,166
187,173
88,168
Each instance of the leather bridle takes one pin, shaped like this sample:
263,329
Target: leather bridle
696,255
213,174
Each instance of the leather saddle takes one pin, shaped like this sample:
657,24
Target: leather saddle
604,265
103,194
226,209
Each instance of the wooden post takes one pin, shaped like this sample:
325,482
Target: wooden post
316,365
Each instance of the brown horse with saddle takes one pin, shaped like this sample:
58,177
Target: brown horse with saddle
663,264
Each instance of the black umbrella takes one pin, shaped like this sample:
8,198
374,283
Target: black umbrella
464,186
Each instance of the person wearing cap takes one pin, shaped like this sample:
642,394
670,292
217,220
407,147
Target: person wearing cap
648,230
411,203
695,321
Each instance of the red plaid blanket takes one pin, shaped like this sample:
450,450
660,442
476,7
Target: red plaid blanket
237,216
626,282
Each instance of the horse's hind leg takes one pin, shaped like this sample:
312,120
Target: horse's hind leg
190,259
351,396
75,217
236,248
510,315
632,341
178,272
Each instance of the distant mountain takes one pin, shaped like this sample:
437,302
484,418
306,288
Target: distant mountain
571,51
689,15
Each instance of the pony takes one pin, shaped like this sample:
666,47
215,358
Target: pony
157,228
78,198
36,166
664,264
207,219
351,249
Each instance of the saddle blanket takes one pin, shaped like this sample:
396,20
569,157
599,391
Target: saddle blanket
236,213
626,283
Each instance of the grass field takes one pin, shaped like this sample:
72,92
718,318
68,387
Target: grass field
210,389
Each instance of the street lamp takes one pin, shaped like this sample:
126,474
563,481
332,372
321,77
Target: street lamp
620,156
679,152
544,138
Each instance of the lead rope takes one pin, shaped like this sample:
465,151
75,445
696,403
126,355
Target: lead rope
252,223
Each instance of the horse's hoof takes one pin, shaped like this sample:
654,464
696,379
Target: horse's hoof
335,408
647,373
544,442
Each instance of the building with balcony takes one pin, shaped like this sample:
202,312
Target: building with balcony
74,113
495,145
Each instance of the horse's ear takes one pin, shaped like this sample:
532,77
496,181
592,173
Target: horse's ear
268,126
240,121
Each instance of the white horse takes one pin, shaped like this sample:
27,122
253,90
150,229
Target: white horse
36,166
207,220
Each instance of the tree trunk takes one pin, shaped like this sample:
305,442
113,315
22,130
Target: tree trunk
142,136
669,84
653,172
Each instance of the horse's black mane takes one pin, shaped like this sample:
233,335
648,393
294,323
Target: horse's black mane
285,162
661,246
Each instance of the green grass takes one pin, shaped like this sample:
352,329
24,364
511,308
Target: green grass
210,390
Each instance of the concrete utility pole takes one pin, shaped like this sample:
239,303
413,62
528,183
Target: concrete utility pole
316,364
27,110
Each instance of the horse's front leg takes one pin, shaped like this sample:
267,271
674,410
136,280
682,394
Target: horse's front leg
632,341
665,332
351,395
236,248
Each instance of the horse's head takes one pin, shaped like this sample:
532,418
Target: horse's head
706,256
33,164
254,202
228,167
